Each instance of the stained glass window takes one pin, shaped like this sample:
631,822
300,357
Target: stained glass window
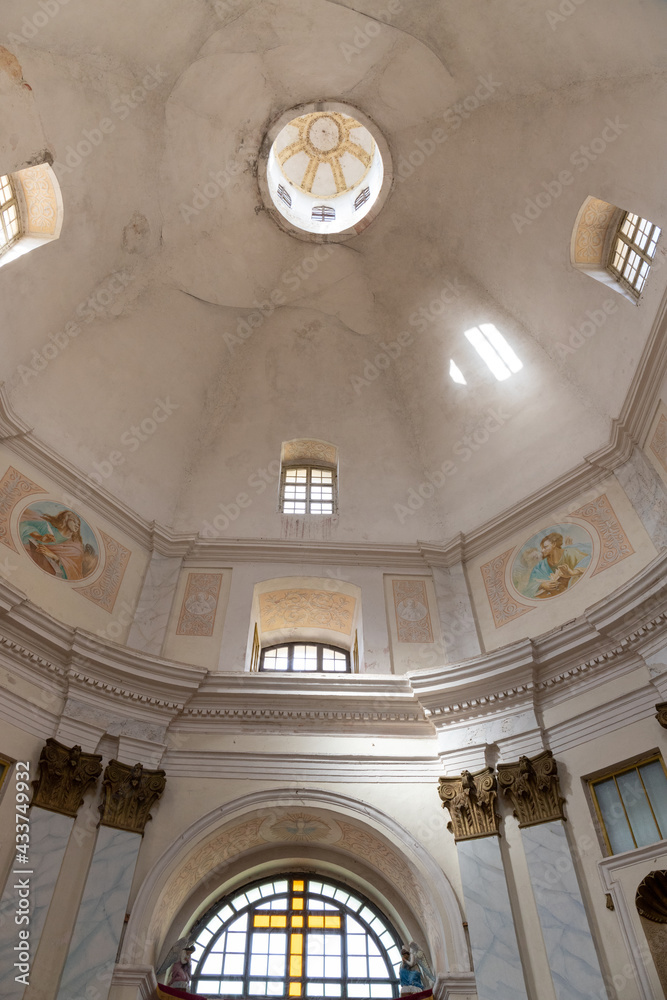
296,936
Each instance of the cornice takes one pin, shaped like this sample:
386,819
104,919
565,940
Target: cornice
141,977
300,767
627,431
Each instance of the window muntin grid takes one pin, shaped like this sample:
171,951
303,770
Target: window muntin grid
307,489
312,657
284,195
362,198
10,222
631,805
294,936
323,213
633,252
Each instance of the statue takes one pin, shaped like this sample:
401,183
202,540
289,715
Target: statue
415,974
179,958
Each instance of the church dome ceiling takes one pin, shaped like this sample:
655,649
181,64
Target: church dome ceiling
172,284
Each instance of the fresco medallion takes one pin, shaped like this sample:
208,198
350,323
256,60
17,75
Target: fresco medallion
58,540
552,561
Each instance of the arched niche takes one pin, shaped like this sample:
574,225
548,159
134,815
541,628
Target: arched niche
305,609
312,831
651,903
40,205
592,237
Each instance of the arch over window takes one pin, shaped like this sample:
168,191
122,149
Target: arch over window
613,246
296,935
314,657
31,211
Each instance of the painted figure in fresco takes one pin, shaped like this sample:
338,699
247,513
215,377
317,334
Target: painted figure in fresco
558,567
54,543
181,971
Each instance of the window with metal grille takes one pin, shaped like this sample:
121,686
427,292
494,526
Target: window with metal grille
323,213
300,657
10,222
631,804
306,489
284,196
633,252
296,936
362,198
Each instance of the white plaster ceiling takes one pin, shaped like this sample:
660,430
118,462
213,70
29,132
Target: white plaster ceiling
191,276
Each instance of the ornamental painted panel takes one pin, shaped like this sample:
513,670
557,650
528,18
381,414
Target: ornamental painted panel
41,201
58,540
658,443
14,487
413,618
615,543
200,604
306,609
592,231
309,451
105,590
504,607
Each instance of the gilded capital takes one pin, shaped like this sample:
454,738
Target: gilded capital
65,775
661,714
533,787
128,794
471,800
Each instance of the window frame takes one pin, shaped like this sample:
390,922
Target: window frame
629,241
4,205
309,500
291,877
616,772
321,646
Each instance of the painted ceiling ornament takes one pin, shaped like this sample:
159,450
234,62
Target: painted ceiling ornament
325,153
471,801
300,827
128,793
65,775
534,789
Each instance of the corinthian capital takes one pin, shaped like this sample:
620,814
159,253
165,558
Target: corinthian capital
65,775
533,787
471,800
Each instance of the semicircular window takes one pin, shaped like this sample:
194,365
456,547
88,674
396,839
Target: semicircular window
296,936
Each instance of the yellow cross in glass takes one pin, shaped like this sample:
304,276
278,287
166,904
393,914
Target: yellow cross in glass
280,919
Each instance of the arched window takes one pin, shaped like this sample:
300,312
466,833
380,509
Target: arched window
299,657
307,489
284,196
296,936
362,198
323,213
633,251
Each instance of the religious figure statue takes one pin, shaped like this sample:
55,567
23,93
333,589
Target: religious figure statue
415,975
181,970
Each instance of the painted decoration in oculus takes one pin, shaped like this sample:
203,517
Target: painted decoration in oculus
59,541
552,561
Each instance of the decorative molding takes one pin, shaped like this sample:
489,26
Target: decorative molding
303,608
591,231
504,607
411,610
128,794
14,488
533,787
141,977
658,443
105,589
310,451
615,543
65,775
471,801
661,715
345,768
200,604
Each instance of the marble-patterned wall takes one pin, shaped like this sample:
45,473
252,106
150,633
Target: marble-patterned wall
572,958
96,936
496,958
49,835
